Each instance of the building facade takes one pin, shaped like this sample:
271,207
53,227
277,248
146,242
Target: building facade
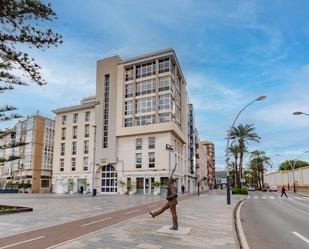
211,162
73,149
35,157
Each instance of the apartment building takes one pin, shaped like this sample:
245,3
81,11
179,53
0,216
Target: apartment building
35,158
211,163
6,167
201,165
73,149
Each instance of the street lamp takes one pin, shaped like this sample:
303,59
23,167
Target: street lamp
170,149
300,113
228,189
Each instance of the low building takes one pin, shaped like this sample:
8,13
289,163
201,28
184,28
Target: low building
74,144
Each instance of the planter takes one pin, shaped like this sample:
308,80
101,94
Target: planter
4,209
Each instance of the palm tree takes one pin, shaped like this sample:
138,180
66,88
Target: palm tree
242,134
260,161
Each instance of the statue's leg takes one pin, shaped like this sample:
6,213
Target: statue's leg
174,216
160,211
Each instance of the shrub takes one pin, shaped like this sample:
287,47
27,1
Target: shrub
155,184
264,190
239,191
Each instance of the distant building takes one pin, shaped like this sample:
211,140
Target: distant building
35,161
74,141
201,164
211,162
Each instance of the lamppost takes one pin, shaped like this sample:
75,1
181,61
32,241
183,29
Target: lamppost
228,189
170,149
300,113
94,191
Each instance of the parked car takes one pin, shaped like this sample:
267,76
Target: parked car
251,188
273,189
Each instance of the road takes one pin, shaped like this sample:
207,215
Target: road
271,222
56,235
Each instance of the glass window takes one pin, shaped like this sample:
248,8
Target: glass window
129,89
73,164
62,164
63,131
164,102
62,149
164,83
87,130
73,148
138,143
87,116
164,117
164,65
129,73
74,132
75,118
151,143
128,107
145,87
128,122
145,105
85,164
138,157
145,120
86,147
64,119
152,159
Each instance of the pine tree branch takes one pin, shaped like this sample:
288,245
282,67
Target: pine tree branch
12,145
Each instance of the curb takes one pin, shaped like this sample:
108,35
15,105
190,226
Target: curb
241,241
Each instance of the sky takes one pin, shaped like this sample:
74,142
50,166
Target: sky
230,53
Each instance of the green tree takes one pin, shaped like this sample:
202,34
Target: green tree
286,165
241,135
21,31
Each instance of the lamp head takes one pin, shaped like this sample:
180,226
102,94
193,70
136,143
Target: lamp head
261,98
297,113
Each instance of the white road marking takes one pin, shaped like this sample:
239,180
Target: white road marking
22,242
256,197
301,236
93,222
264,197
248,197
271,197
298,198
131,212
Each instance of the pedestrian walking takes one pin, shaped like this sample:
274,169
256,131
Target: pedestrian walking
183,189
81,190
283,192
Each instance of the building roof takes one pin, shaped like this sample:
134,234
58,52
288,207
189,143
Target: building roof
86,103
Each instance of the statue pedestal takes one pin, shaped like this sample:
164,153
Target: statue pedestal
180,231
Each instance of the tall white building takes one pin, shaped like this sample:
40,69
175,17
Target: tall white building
73,149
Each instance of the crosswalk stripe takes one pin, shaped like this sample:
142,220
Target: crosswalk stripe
264,197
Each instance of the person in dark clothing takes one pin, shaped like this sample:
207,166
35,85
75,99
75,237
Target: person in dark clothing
81,190
171,203
283,192
183,189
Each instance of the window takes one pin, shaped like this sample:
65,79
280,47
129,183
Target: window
87,116
164,102
85,163
164,117
151,143
164,65
86,147
75,118
73,148
63,131
145,87
62,149
128,107
129,73
152,159
145,105
106,108
44,183
145,120
73,164
64,119
129,89
87,130
138,157
128,122
74,132
164,83
62,164
138,143
147,69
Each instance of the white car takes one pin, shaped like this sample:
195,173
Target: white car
251,188
273,189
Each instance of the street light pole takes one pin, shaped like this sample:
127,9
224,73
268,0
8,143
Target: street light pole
170,149
228,189
94,192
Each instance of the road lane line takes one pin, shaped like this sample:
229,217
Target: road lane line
302,237
134,211
22,242
93,222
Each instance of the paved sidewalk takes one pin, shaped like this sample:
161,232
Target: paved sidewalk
208,216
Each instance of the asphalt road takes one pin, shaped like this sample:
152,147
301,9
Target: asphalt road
271,222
